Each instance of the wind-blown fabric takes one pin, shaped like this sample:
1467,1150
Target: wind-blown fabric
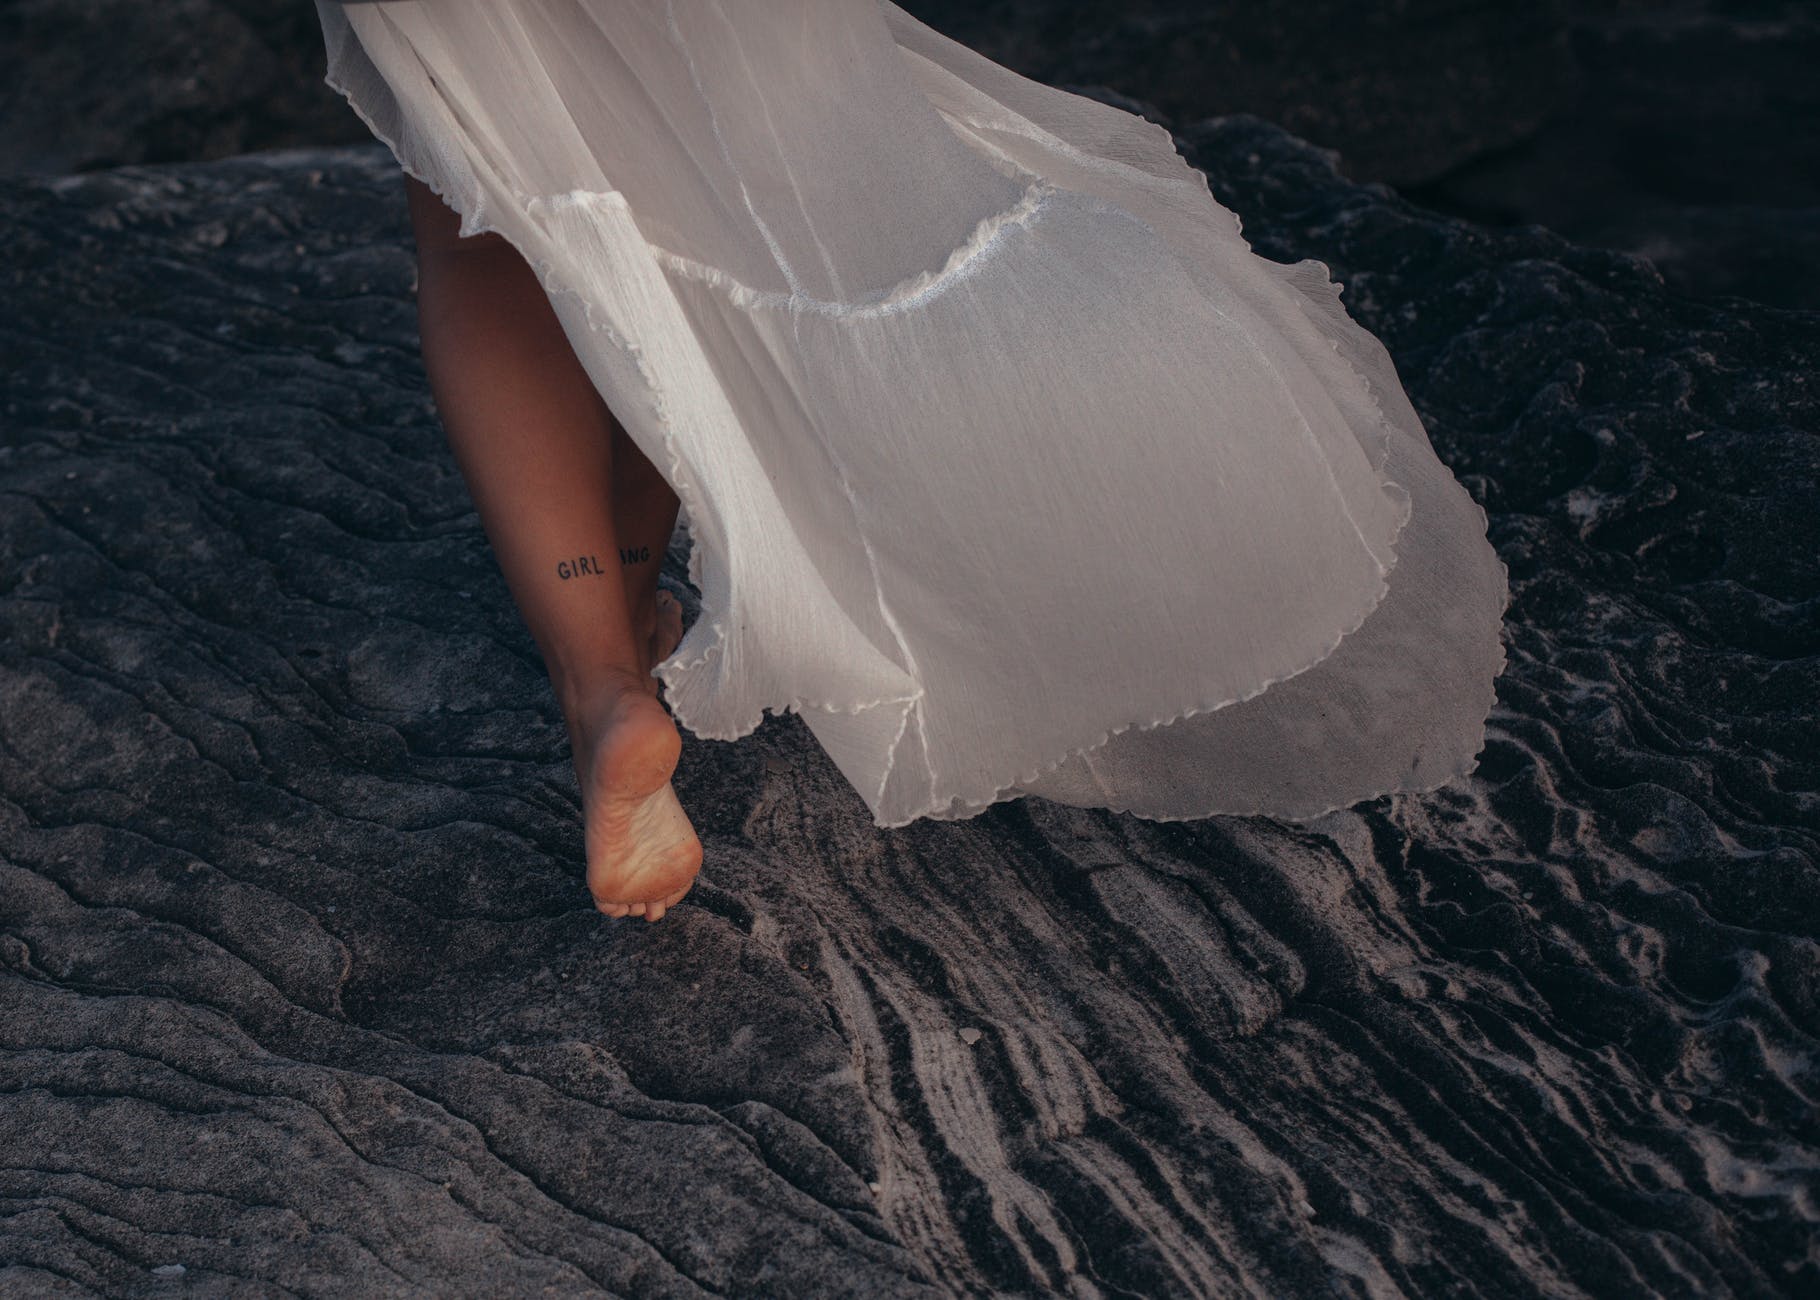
1005,461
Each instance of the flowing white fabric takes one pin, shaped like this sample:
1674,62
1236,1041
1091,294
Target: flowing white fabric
1005,461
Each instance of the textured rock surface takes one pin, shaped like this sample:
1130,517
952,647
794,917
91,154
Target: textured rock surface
1692,136
97,83
300,990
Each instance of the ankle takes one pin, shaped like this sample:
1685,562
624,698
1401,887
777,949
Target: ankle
641,603
583,695
642,614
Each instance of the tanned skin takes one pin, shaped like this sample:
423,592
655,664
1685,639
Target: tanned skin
579,520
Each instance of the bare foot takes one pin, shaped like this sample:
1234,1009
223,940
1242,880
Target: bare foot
643,855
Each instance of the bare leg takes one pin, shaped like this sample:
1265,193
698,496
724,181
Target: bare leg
644,510
537,447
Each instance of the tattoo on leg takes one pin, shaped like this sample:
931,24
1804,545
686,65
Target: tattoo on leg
585,566
579,567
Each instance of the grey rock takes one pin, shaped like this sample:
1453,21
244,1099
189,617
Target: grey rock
300,986
98,83
1691,136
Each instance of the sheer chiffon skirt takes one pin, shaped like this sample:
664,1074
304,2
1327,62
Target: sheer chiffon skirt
1004,461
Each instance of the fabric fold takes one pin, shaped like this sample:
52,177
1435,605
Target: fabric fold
1004,460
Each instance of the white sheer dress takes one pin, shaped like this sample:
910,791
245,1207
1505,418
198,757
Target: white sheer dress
1004,461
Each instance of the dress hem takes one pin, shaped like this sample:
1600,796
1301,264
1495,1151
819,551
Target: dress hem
681,676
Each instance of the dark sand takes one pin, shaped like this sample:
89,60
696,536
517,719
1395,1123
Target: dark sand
301,991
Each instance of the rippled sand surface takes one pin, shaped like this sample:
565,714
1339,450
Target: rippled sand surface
300,988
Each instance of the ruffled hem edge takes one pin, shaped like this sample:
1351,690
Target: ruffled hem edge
1290,275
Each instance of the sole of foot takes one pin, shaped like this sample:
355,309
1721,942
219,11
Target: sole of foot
643,855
